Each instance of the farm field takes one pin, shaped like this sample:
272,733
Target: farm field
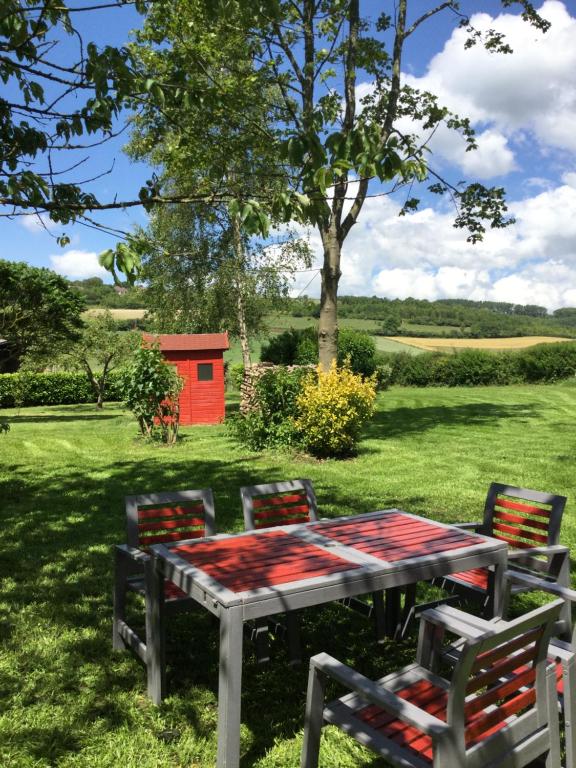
451,345
118,314
387,344
69,701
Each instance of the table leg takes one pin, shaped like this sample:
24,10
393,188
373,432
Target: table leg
230,688
155,631
392,611
497,607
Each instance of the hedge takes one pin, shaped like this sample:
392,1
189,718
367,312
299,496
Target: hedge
475,367
22,389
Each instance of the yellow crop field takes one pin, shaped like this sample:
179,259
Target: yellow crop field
118,314
434,344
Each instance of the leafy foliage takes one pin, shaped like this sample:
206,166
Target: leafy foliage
59,388
38,310
271,423
332,408
542,363
151,391
96,292
300,347
100,349
64,98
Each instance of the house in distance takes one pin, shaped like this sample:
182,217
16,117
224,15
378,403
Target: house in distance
199,359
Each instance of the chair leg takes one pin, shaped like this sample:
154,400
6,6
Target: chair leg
569,710
392,612
260,636
553,757
293,637
379,614
314,719
155,633
119,601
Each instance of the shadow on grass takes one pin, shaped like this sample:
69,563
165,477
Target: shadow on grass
57,550
406,421
53,418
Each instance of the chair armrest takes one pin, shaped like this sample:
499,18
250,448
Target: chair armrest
554,549
131,553
526,580
470,526
459,622
379,695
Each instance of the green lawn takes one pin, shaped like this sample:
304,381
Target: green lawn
67,700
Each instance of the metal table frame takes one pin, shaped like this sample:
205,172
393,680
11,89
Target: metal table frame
234,608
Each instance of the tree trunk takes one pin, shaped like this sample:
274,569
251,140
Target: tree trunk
328,325
240,312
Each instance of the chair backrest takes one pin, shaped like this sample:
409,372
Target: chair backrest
158,518
502,675
521,517
265,506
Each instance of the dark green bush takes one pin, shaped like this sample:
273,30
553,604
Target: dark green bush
24,389
474,367
271,423
360,348
300,347
548,362
293,347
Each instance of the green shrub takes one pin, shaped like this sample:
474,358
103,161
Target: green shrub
235,375
63,388
332,409
548,362
271,423
151,390
476,367
359,348
300,347
293,347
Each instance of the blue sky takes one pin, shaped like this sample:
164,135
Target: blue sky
523,108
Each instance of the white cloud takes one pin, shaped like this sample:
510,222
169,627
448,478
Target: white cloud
37,222
78,265
531,90
424,256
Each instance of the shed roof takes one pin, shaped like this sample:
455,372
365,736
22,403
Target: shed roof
188,341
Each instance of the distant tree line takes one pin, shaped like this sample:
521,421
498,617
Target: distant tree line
97,293
451,317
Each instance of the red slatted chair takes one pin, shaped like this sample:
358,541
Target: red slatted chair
562,653
271,504
529,521
497,708
155,518
266,506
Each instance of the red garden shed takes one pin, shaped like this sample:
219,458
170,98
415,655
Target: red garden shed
199,359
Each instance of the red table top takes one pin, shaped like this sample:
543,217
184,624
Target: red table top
264,560
394,537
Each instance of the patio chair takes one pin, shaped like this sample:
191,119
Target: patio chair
265,506
562,653
155,518
471,719
285,503
529,521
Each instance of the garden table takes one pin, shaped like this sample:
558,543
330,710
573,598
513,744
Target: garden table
254,574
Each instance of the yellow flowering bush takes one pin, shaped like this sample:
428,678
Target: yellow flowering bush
332,407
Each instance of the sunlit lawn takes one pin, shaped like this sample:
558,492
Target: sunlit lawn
67,700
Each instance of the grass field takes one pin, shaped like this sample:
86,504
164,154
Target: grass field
452,345
386,344
279,322
68,701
